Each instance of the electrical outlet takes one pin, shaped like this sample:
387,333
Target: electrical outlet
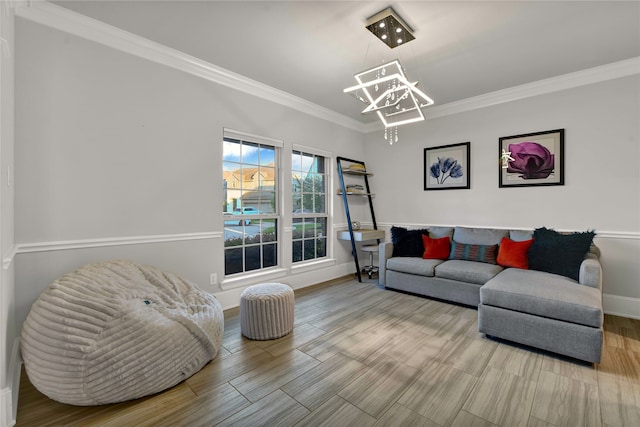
213,279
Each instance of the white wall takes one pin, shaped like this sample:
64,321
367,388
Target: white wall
119,157
8,326
112,147
602,178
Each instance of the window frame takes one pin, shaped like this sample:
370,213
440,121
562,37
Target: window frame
327,161
277,215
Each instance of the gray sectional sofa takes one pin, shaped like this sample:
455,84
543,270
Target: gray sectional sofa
536,308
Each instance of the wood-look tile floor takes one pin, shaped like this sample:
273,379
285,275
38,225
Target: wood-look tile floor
360,355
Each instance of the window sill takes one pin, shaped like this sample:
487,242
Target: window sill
252,278
303,267
277,273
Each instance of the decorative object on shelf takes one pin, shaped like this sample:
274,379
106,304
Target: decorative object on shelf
355,225
353,189
356,167
532,159
385,88
447,167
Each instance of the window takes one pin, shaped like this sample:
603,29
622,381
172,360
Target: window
250,180
308,184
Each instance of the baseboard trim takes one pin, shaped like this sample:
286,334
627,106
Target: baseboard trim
230,298
9,395
5,408
617,305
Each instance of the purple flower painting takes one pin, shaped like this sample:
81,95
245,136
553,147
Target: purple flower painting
444,168
531,160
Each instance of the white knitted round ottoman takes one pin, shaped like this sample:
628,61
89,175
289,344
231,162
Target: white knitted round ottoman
266,311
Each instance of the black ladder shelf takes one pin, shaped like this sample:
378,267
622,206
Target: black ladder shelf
364,174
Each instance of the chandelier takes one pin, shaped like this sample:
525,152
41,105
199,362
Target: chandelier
388,93
385,88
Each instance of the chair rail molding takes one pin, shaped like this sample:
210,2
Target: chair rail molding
23,248
633,235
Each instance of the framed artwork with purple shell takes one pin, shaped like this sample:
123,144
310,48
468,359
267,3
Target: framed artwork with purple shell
447,167
532,159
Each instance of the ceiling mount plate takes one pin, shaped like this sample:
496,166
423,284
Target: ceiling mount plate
390,28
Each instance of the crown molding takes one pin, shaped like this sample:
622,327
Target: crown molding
614,70
60,18
589,76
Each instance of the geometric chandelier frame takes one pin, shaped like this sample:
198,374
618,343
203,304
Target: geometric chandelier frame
389,94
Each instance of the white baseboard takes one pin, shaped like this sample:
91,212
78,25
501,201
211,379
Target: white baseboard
231,298
621,306
5,408
9,395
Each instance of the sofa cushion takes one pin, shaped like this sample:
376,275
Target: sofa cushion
438,232
559,253
520,235
407,242
544,294
467,271
514,254
479,236
436,248
411,265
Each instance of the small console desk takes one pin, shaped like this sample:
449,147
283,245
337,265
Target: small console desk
363,235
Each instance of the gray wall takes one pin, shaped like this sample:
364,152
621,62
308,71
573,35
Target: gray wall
118,157
8,326
602,180
111,147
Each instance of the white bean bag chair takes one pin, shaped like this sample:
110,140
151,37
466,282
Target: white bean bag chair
116,331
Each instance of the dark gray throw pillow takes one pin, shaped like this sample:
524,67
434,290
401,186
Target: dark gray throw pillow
407,242
559,253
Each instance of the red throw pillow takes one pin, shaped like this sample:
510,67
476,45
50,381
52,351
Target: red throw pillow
514,254
436,248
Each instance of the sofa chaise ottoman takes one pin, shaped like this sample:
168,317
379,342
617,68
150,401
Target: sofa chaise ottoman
543,310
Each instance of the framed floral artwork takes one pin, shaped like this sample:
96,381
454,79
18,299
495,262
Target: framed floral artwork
447,167
532,159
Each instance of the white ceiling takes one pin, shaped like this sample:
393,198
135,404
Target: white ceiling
311,49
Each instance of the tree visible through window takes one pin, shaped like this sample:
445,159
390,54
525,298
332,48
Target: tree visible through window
309,206
250,205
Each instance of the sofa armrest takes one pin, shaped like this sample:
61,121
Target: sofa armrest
384,253
591,272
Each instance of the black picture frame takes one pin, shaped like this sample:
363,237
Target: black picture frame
447,167
531,159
